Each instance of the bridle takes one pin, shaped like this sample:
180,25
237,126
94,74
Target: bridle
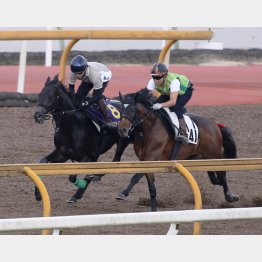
55,112
136,120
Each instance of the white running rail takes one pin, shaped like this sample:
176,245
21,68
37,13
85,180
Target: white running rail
185,216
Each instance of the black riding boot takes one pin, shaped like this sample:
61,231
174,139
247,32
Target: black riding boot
182,136
106,139
103,109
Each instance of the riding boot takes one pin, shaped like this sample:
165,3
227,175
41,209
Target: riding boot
182,136
106,134
103,109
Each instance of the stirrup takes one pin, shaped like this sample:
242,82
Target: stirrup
111,124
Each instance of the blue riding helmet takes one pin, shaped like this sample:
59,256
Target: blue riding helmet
78,64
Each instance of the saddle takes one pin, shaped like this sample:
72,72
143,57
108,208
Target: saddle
191,130
114,108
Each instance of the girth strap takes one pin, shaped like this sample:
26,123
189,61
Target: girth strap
175,150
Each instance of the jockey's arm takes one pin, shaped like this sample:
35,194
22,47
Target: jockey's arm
72,81
71,88
172,100
174,89
97,94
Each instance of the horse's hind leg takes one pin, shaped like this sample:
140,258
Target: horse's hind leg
213,178
121,146
134,180
230,197
152,190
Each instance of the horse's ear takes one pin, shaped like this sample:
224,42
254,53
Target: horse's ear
47,80
121,97
56,77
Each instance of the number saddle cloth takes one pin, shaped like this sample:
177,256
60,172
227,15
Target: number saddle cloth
113,110
191,130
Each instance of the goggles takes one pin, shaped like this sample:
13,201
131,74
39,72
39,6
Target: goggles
157,77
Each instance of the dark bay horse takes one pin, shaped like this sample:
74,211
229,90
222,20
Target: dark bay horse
76,137
154,141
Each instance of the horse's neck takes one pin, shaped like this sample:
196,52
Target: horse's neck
148,120
65,103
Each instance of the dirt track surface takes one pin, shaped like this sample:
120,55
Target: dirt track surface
24,141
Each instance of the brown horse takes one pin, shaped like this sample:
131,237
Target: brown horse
154,140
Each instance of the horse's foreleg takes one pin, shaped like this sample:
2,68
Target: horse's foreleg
82,184
54,157
152,190
121,146
230,197
38,196
134,180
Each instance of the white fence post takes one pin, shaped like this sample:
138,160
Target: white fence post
22,68
48,51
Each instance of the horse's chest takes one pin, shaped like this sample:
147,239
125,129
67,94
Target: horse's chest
65,145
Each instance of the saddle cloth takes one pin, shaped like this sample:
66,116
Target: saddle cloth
97,117
192,129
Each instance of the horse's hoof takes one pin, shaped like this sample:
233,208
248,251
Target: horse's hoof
232,198
38,196
96,179
72,200
120,196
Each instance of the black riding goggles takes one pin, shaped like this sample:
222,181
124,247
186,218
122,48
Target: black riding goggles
157,77
79,73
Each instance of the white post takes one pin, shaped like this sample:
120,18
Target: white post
61,42
166,60
48,51
22,67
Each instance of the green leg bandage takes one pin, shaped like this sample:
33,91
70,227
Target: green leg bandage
81,183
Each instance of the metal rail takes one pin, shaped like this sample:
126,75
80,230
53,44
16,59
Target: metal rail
106,34
133,166
76,35
182,166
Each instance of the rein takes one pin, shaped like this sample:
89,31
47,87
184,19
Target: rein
168,119
57,122
57,116
93,115
136,121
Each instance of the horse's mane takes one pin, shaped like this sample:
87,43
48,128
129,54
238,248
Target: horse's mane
56,82
146,98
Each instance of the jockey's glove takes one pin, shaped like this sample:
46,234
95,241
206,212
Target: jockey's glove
157,106
87,101
84,103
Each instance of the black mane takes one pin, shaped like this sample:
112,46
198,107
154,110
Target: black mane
146,98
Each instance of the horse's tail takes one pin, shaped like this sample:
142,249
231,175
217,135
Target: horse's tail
229,144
